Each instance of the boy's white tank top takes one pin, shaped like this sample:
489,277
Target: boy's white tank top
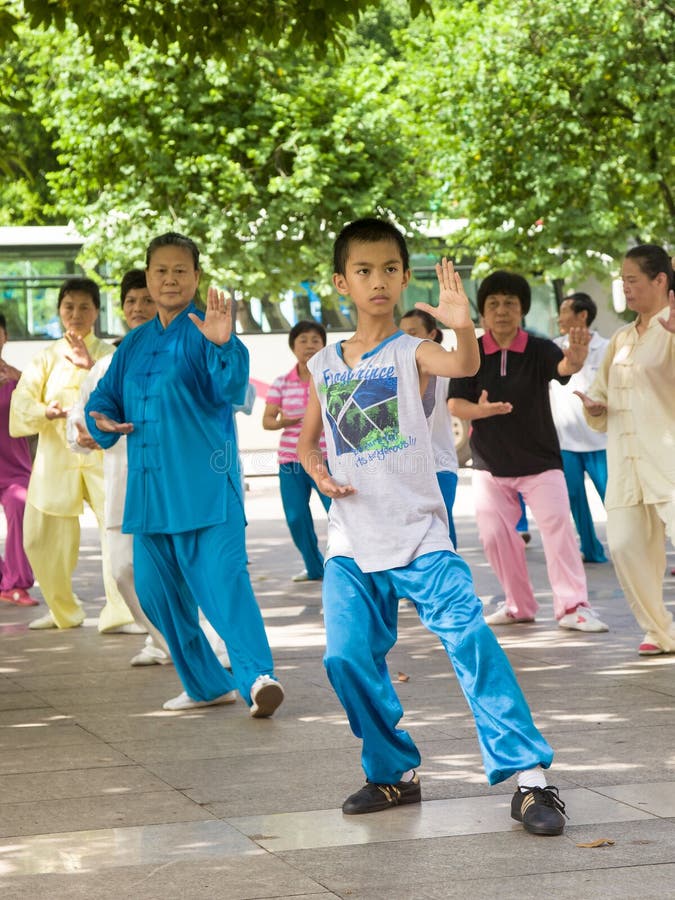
378,440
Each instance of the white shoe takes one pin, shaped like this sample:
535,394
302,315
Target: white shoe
184,701
301,576
582,619
45,621
501,616
150,656
129,628
266,695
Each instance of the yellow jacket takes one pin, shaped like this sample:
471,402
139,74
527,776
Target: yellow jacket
56,485
635,381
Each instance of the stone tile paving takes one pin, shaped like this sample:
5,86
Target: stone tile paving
104,794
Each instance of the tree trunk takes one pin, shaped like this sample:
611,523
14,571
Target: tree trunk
277,320
332,316
245,318
302,307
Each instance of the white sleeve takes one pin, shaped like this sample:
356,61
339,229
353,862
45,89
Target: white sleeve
76,412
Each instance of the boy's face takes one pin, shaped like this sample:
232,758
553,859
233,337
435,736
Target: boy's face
374,277
307,344
138,307
172,278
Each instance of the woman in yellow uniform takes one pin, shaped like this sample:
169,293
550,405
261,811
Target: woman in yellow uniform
61,480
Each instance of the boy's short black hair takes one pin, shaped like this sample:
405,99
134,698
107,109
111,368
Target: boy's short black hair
583,302
173,239
367,231
501,282
82,285
132,280
303,327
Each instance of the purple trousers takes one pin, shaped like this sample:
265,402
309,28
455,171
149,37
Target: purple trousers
15,570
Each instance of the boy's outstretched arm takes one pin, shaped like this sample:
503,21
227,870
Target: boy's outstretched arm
453,312
309,451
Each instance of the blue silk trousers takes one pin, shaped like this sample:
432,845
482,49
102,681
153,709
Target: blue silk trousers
360,614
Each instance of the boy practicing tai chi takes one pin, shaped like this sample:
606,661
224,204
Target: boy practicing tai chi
388,534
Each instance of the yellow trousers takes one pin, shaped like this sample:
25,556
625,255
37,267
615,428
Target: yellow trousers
52,545
637,543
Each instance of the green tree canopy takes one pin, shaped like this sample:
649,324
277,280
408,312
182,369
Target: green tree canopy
559,142
200,27
261,158
547,127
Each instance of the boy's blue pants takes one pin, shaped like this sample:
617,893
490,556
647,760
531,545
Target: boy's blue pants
296,489
447,482
360,613
574,466
176,573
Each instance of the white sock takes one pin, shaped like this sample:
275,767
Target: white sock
530,778
408,776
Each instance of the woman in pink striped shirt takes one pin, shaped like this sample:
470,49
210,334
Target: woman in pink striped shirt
285,407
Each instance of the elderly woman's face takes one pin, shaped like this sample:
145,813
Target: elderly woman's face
78,312
642,292
502,314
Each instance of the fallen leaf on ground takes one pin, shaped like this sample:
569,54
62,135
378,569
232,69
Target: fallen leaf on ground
601,842
403,677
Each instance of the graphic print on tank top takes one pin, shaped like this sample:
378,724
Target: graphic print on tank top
363,415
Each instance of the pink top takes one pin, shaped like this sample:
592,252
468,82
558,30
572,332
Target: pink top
15,461
291,395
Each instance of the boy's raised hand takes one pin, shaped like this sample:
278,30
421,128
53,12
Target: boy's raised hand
453,304
217,323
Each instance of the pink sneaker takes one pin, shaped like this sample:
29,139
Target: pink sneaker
19,597
647,649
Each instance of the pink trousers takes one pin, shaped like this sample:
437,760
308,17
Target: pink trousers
498,510
15,570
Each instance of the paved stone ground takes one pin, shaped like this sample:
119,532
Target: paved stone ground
105,795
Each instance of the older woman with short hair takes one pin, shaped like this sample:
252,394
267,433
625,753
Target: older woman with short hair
515,450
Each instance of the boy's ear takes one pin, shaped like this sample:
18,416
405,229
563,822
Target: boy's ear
340,283
406,277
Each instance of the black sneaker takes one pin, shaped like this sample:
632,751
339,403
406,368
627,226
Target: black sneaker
539,809
375,797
